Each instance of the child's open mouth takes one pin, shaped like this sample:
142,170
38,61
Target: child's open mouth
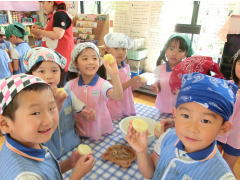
45,131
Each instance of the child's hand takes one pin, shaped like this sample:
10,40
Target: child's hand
136,82
80,129
74,158
156,87
60,95
138,141
167,123
88,114
83,166
111,69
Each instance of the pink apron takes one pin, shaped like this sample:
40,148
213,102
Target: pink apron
232,137
165,100
93,97
124,107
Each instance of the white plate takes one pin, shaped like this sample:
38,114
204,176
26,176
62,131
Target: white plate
124,123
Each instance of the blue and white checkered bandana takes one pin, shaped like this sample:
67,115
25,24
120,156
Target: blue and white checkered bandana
216,94
11,86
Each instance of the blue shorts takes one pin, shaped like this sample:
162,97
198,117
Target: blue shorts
229,149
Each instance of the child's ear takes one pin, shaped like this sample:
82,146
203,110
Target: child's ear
225,128
5,124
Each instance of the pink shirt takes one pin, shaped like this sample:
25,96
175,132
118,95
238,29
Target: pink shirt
165,100
125,107
94,95
232,137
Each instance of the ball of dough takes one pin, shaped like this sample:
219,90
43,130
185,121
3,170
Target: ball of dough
109,58
139,125
84,149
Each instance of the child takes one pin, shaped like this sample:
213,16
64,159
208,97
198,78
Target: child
26,127
48,65
201,64
15,33
5,64
203,107
93,90
117,45
177,48
230,142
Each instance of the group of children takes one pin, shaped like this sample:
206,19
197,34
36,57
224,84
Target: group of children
83,108
42,122
13,50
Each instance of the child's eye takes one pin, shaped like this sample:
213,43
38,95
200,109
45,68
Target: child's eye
41,71
185,116
55,70
35,113
205,121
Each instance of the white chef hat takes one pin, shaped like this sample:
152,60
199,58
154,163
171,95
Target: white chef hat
117,40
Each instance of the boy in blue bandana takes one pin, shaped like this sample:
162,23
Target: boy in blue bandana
204,105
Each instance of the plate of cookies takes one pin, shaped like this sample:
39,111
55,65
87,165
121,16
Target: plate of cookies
119,154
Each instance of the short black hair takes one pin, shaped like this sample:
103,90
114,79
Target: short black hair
10,110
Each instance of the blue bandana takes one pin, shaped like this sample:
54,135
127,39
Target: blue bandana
216,94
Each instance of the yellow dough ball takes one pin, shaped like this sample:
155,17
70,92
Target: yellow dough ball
109,58
139,125
84,149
